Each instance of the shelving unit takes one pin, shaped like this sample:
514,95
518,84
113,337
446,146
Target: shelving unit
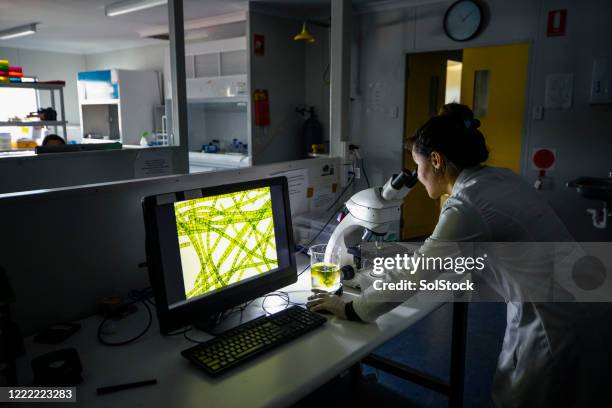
52,88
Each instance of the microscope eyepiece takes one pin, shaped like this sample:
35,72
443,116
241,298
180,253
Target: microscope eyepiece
405,178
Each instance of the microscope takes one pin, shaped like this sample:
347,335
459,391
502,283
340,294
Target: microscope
371,210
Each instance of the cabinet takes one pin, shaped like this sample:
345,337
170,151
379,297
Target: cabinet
118,104
214,69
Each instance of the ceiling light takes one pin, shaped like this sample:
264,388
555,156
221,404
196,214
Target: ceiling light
18,31
304,35
129,6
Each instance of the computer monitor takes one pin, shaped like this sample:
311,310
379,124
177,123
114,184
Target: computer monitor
214,248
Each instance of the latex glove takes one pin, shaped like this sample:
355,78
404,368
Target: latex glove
324,301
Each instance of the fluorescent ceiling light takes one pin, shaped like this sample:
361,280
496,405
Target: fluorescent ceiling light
18,31
198,23
129,6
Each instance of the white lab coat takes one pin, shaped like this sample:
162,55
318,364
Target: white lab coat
553,354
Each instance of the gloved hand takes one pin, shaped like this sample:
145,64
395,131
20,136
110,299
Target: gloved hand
322,300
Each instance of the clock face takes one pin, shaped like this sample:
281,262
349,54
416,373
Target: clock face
463,20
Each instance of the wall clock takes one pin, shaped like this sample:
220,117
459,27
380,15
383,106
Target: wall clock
463,20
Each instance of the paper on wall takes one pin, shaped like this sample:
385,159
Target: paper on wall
153,163
322,198
298,185
558,92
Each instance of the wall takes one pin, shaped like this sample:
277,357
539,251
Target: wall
281,72
221,121
581,135
150,58
48,66
378,101
226,125
73,169
317,75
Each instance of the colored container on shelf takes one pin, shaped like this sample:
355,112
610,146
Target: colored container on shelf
4,73
15,74
4,62
4,79
4,67
16,69
11,79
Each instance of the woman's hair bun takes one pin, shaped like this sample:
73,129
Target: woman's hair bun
454,133
471,123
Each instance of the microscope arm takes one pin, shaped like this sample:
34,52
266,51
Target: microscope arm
373,209
347,226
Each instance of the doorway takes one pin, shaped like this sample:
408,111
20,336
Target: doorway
490,80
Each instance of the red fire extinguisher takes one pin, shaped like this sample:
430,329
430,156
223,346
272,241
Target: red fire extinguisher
262,107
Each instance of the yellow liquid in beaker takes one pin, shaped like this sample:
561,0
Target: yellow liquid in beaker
325,276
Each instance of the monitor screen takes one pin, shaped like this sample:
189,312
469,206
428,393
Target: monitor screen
219,246
225,239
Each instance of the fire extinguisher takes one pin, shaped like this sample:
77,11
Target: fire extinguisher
262,107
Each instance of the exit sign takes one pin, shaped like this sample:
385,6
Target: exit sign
557,21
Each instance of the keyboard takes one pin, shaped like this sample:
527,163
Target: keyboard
242,343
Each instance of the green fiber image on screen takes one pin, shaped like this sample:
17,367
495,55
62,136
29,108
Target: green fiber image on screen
224,239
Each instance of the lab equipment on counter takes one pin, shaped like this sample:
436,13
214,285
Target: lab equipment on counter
372,210
312,131
212,147
238,147
325,273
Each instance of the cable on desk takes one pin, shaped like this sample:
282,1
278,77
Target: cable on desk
136,296
178,333
331,217
304,270
365,174
281,294
221,316
191,339
348,185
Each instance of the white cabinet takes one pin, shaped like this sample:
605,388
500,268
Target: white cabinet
214,69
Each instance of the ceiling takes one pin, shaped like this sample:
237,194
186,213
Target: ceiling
81,26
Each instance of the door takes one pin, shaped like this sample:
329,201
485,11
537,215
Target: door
493,84
425,86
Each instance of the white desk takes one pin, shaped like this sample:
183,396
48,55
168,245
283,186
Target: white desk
278,378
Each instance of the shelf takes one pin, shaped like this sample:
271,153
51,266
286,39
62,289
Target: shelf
100,102
31,85
34,124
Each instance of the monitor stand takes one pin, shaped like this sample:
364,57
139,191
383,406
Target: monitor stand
230,319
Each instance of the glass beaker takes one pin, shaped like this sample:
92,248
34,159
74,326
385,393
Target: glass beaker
325,270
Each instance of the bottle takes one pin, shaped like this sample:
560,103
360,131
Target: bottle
143,140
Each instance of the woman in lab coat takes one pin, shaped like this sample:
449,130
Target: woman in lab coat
553,354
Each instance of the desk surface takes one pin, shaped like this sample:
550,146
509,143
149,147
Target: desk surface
278,378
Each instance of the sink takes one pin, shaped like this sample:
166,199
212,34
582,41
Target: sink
594,188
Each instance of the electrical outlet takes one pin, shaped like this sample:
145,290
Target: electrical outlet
538,112
347,174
